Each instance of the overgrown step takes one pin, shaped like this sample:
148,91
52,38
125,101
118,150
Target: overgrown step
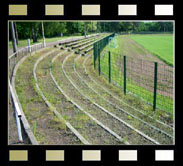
142,127
88,106
42,121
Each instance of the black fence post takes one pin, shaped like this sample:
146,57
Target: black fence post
94,55
97,47
124,74
99,70
109,67
155,84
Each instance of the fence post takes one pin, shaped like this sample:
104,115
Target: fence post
100,44
94,57
109,66
99,70
155,84
124,74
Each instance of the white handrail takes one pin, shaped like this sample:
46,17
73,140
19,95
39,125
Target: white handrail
18,113
17,108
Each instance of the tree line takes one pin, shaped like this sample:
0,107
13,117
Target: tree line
33,30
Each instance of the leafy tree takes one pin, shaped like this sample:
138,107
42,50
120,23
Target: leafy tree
53,29
33,30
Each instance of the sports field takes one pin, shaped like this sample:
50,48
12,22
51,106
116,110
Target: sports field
148,47
159,45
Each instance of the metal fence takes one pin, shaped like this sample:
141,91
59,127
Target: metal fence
150,81
99,46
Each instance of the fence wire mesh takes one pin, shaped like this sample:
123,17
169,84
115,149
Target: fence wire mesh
138,77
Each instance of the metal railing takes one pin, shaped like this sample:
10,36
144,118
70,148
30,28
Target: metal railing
13,60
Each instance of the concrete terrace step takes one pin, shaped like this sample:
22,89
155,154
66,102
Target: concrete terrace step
82,44
77,42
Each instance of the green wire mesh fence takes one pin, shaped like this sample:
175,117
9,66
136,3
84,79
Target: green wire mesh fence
99,46
150,81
